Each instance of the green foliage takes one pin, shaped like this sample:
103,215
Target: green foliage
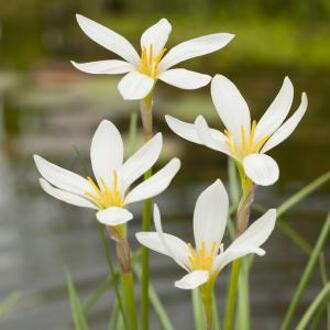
79,319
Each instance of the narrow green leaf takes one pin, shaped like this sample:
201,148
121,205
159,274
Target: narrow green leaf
322,297
114,317
303,193
306,274
234,184
9,302
78,316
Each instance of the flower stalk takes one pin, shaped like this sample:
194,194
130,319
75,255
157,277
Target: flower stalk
207,296
147,123
123,251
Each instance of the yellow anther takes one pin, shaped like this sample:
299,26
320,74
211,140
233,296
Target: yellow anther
103,196
247,145
202,258
150,61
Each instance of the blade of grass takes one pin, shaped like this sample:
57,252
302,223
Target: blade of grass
306,274
314,306
234,185
78,316
9,302
198,310
114,317
303,193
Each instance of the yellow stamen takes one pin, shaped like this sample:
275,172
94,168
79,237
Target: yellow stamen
150,61
104,197
247,144
202,258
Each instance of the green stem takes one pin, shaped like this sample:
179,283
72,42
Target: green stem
146,115
207,298
243,312
100,229
306,275
197,310
128,285
231,296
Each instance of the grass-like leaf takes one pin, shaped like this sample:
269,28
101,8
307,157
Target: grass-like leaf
320,299
306,275
79,319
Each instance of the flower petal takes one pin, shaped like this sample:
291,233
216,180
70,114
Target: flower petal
212,138
193,280
184,79
106,151
156,36
108,39
114,216
210,215
261,169
276,112
195,47
185,130
142,160
104,67
60,177
288,127
250,241
167,244
231,107
135,86
155,184
65,196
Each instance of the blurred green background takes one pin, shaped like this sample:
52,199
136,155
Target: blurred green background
47,107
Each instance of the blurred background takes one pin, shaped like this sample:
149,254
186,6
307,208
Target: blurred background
49,108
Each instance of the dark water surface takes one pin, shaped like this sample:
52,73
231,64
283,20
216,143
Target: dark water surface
51,112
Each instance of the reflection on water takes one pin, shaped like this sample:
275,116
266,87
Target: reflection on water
40,235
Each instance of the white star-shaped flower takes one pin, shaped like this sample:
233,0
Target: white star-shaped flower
205,261
111,192
141,72
247,143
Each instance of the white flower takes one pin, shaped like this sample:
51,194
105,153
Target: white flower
247,143
208,258
143,71
110,193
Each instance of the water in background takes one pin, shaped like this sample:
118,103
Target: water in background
49,109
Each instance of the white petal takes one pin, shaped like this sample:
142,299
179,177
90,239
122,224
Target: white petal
212,138
142,160
210,215
185,130
108,39
114,216
65,196
156,36
250,241
261,169
184,79
193,280
195,47
60,177
164,243
135,86
155,184
104,67
276,112
288,127
106,151
231,106
153,241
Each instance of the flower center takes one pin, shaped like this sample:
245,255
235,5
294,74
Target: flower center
201,259
104,197
247,144
150,61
